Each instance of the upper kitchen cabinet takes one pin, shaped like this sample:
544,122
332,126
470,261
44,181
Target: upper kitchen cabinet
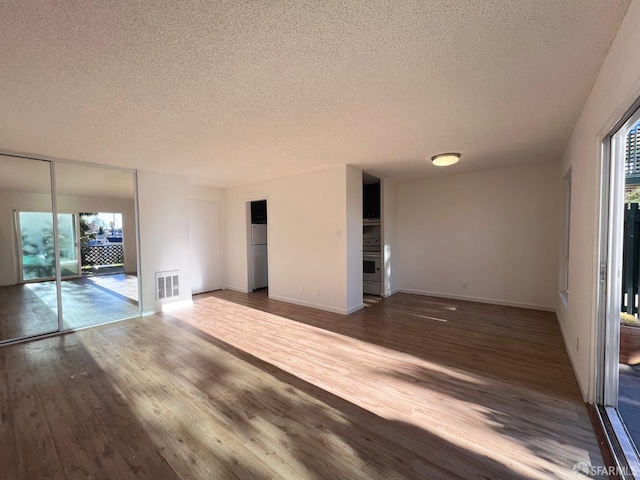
371,201
259,212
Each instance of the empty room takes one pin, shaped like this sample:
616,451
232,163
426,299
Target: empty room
319,240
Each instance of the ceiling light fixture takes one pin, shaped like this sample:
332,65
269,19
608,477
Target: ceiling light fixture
445,159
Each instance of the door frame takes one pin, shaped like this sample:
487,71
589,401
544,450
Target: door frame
250,250
609,289
76,247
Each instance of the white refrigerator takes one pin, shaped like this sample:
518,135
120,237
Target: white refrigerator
259,261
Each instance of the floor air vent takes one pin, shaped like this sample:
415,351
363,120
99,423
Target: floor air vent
168,284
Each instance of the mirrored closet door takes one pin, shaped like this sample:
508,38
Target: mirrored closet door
68,247
28,294
97,244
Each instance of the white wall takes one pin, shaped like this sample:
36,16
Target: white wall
209,194
306,255
496,230
617,86
35,202
163,204
389,192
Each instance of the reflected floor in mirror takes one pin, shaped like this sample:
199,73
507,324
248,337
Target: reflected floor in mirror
31,309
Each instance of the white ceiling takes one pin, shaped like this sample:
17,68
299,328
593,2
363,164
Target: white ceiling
231,92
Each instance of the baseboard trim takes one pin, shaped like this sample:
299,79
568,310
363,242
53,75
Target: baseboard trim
491,301
392,292
236,289
584,390
304,303
168,307
355,309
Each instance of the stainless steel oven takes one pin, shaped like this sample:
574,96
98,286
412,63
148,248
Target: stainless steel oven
371,265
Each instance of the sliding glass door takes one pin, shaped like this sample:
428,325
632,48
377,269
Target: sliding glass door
618,372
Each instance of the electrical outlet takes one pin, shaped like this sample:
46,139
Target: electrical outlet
465,285
577,344
318,292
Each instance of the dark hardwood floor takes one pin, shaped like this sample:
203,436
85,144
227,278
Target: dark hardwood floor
240,386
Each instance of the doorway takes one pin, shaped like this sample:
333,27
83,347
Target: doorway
258,245
372,252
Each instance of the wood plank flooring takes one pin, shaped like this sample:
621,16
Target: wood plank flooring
241,386
32,309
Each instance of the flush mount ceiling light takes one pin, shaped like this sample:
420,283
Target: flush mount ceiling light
445,159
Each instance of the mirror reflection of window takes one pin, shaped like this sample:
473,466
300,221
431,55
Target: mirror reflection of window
67,242
36,240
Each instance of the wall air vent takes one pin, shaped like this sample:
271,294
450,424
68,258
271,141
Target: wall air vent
167,284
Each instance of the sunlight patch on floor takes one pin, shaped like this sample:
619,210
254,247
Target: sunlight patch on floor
393,385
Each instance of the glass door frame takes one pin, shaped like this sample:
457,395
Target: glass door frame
76,244
609,291
56,243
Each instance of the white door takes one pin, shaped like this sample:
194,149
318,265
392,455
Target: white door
206,264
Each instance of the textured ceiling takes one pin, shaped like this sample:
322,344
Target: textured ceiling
231,92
